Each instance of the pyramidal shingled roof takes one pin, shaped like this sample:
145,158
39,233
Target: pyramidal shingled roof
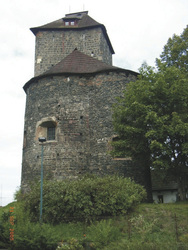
77,63
74,21
81,20
80,63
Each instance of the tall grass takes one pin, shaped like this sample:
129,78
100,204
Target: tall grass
149,226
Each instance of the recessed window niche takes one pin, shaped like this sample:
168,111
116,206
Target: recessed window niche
46,128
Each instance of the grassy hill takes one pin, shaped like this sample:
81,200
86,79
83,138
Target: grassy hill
149,226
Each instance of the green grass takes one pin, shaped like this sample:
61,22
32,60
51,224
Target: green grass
156,226
148,226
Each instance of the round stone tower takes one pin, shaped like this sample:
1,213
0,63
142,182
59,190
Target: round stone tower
69,101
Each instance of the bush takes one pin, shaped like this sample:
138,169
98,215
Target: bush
72,244
102,233
35,236
83,199
27,235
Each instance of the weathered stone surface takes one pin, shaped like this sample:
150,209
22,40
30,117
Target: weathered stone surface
53,46
81,107
78,106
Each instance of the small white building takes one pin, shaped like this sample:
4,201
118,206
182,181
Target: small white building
164,188
165,192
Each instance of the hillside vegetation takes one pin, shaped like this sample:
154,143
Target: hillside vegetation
149,226
131,225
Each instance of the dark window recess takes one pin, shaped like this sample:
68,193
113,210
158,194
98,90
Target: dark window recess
25,139
160,198
51,133
116,138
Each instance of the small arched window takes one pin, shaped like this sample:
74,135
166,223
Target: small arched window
50,128
46,128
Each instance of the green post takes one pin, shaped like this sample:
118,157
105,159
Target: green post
41,139
41,185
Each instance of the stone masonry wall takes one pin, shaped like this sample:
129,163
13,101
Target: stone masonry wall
81,108
52,46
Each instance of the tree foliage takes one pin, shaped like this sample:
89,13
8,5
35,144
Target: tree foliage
152,118
175,52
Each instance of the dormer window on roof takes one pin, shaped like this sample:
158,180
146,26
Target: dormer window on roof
70,23
73,18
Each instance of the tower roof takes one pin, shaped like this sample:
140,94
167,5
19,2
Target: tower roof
77,63
80,63
74,21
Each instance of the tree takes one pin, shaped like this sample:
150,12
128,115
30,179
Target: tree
175,52
151,120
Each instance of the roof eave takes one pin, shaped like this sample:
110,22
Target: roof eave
37,29
36,78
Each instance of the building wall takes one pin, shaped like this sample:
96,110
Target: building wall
81,110
52,46
167,196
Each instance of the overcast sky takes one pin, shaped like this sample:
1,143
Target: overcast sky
138,31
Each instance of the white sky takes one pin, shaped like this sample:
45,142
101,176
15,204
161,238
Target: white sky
138,30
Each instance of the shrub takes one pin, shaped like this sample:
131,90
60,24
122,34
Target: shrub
72,244
4,235
102,233
27,235
83,199
35,236
184,238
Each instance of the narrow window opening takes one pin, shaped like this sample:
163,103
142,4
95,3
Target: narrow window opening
50,133
46,128
25,139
